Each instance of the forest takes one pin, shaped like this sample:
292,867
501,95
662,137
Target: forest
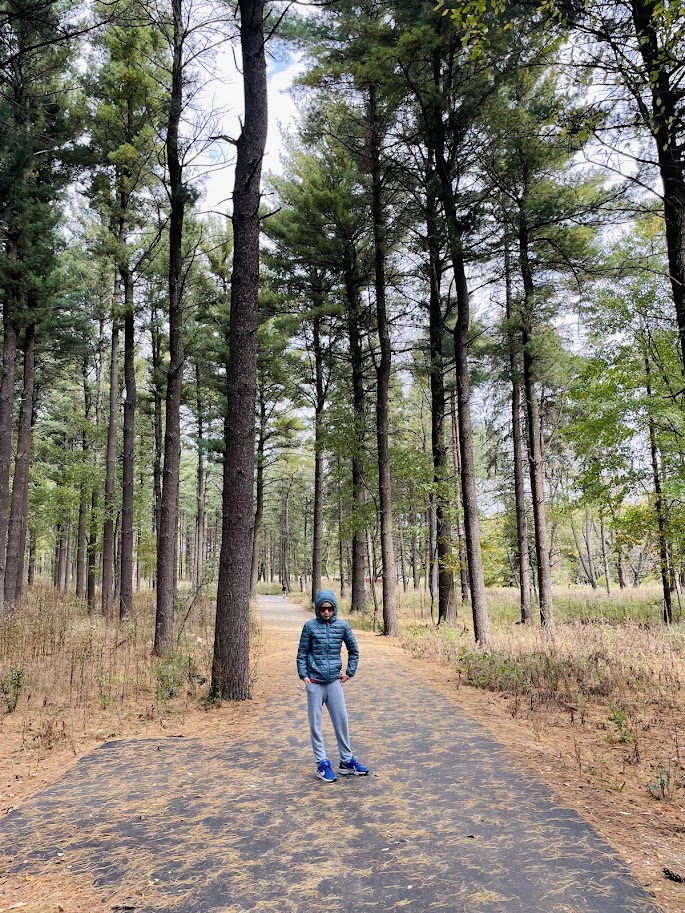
433,357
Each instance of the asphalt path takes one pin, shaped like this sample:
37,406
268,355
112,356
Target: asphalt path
446,820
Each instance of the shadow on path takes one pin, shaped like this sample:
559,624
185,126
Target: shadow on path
445,821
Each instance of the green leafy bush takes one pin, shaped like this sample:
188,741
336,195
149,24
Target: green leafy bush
11,685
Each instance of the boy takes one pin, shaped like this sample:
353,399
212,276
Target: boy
319,665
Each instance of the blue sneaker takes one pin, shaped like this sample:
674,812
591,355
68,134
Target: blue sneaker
353,767
325,772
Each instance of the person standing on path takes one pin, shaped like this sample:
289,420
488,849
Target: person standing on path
319,665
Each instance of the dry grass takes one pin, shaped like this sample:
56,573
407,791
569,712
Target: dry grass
80,679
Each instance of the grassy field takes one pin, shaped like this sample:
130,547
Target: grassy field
614,647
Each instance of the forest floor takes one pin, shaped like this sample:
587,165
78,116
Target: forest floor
613,785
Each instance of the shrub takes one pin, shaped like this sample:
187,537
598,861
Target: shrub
11,684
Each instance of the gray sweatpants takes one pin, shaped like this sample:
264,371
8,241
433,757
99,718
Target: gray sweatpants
332,696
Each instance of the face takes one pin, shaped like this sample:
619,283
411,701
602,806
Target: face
326,610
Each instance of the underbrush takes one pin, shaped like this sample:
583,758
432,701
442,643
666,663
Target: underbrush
602,660
61,667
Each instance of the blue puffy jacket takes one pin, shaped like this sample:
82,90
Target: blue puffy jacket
318,655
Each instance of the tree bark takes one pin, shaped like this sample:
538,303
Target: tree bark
659,506
383,371
231,662
9,354
128,456
341,540
605,557
110,465
317,532
447,607
201,493
479,607
592,576
536,457
358,588
16,539
157,422
94,497
456,462
522,555
259,496
665,113
168,521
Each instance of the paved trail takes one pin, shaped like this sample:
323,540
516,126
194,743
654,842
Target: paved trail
445,822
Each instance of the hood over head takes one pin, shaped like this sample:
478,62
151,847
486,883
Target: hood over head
325,596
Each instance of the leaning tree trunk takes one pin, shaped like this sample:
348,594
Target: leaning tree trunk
390,621
168,520
231,661
9,354
126,552
16,538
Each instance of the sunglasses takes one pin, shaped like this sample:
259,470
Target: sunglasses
325,608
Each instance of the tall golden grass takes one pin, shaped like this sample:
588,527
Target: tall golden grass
66,658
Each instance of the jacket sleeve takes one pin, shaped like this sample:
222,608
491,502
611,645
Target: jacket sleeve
303,651
352,650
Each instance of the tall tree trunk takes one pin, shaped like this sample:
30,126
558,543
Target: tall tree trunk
259,496
157,421
537,487
16,538
317,532
168,520
201,492
81,536
415,569
358,602
110,465
94,498
522,555
231,662
666,95
9,354
605,557
479,607
456,463
592,576
341,540
659,505
536,457
128,456
447,607
620,570
383,370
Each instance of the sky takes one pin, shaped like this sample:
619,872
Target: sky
227,95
